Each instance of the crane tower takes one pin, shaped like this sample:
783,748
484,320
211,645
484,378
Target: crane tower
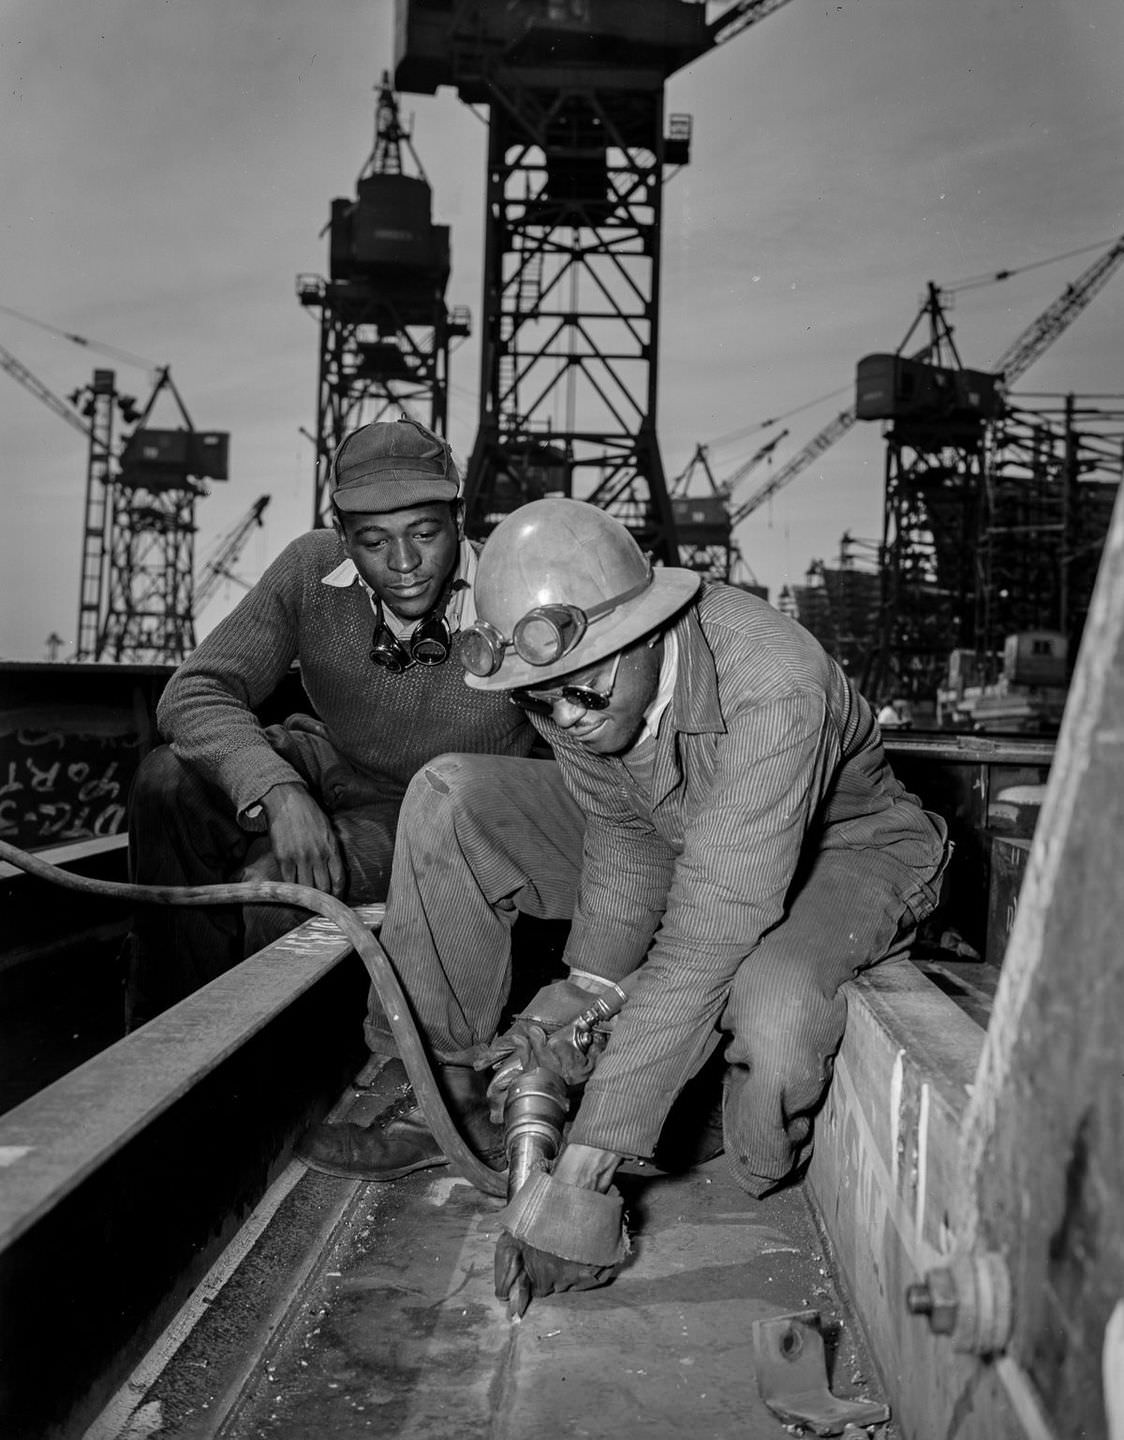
138,527
384,325
578,147
138,532
993,517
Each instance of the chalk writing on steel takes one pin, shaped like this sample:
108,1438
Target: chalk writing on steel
56,786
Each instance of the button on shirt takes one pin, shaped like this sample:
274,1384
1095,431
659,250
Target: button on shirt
764,750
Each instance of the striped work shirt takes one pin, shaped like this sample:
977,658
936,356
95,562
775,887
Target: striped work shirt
765,752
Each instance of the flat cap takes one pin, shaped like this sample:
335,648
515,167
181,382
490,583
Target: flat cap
389,465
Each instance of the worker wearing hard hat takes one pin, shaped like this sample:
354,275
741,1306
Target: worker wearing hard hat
374,612
746,851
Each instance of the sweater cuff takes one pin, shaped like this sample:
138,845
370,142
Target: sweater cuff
248,775
253,816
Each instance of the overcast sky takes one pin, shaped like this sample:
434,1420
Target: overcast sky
168,167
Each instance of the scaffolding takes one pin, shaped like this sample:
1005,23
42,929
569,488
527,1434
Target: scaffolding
1051,476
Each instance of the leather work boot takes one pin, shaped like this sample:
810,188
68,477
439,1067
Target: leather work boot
399,1141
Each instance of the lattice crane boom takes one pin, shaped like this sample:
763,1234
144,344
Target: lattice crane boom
20,372
740,16
764,452
218,567
1021,354
800,461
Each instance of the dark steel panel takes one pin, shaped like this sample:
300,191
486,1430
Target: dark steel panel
71,738
1009,857
958,776
90,1285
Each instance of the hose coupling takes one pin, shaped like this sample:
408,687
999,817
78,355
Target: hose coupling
534,1114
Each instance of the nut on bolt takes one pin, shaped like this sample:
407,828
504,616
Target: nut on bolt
968,1299
935,1297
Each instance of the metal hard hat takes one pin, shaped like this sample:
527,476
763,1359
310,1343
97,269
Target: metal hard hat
552,556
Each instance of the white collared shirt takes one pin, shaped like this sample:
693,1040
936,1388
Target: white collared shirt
460,612
669,670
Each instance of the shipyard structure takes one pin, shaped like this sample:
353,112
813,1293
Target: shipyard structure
947,1259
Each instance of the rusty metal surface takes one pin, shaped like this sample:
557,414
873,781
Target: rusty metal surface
402,1335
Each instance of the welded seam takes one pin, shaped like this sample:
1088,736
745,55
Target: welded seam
922,1165
896,1086
504,1387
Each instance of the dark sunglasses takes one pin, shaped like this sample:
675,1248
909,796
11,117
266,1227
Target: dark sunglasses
542,702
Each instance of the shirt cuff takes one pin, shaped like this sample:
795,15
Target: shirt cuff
598,983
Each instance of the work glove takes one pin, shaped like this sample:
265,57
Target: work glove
544,1035
558,1237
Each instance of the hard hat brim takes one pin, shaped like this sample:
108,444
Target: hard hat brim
671,589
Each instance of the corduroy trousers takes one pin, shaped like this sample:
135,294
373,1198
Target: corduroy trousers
184,831
482,839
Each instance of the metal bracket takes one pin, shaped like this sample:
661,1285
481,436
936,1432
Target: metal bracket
792,1377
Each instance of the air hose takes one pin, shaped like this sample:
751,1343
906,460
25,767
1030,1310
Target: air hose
374,957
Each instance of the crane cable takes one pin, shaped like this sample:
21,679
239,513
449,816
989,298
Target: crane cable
733,435
992,277
126,357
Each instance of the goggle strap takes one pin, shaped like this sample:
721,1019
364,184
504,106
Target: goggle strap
604,606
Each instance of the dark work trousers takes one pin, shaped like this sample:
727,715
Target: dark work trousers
183,831
482,838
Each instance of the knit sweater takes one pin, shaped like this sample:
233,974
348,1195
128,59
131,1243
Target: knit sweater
387,725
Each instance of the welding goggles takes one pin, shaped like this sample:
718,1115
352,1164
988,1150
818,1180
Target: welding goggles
541,637
428,645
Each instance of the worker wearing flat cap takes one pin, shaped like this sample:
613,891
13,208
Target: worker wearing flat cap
373,612
745,850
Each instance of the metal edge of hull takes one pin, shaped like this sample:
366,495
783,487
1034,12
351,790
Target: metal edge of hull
124,1180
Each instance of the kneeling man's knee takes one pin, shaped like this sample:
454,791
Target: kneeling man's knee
160,777
453,779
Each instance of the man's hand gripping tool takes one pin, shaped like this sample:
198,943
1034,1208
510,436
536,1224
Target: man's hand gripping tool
536,1105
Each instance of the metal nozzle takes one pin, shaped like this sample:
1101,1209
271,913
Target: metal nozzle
534,1114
